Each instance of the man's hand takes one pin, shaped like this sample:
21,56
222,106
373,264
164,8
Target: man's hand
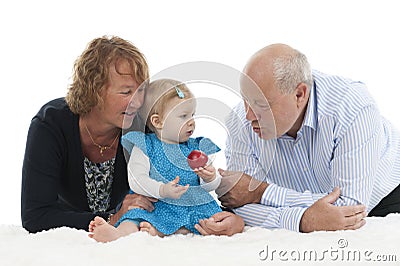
324,216
207,173
237,189
172,190
133,201
221,223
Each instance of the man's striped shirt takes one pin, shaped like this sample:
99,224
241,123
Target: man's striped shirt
343,141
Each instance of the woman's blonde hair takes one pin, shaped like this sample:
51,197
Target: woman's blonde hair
158,95
91,71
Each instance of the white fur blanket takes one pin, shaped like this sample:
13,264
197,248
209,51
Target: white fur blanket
377,243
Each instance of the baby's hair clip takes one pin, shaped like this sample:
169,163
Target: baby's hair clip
179,92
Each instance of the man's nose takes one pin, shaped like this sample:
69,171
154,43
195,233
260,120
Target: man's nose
250,114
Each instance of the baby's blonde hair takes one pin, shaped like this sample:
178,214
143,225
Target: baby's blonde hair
159,93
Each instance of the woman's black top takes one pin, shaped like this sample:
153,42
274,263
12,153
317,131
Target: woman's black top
53,176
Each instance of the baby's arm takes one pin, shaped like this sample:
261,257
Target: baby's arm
140,182
209,177
172,190
206,173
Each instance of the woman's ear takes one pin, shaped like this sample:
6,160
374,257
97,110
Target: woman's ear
155,120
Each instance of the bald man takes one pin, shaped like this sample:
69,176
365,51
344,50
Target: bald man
307,151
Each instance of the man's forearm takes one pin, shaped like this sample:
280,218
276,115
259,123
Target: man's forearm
271,217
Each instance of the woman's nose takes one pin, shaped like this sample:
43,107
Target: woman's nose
136,101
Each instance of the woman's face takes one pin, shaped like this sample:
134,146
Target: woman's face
122,97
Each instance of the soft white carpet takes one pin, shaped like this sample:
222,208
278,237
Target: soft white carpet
377,243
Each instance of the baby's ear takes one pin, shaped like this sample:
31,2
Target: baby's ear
155,120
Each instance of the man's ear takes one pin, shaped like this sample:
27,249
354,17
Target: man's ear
301,93
155,120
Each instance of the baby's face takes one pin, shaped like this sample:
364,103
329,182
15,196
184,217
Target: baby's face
178,122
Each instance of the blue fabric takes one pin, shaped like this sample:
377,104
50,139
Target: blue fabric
166,162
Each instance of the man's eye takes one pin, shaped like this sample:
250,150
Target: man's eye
262,105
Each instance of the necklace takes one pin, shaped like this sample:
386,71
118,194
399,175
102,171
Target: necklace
101,147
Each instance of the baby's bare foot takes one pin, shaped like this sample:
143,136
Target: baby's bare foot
149,228
101,231
183,231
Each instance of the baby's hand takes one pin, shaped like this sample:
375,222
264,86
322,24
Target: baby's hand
207,173
172,190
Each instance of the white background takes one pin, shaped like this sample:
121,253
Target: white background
41,39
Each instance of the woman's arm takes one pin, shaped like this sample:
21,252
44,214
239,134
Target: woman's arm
41,184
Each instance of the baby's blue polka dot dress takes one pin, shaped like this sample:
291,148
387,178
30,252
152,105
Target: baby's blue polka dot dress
166,162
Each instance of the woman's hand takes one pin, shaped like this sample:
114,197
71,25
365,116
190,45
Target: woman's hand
133,201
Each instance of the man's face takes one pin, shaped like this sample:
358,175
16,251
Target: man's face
272,114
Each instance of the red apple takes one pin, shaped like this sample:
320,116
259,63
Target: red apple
197,159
